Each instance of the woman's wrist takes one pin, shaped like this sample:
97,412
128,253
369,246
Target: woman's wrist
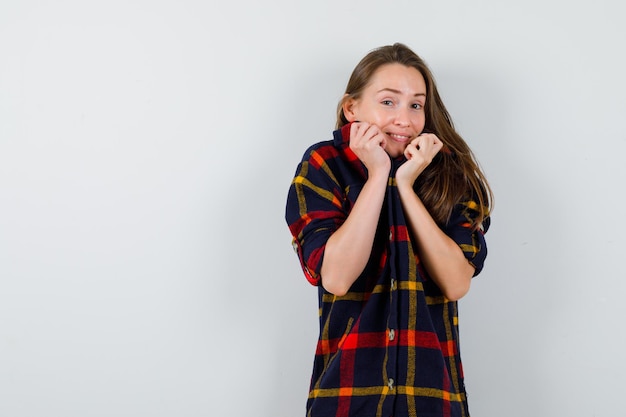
404,186
378,175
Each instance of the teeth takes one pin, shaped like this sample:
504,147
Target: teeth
399,136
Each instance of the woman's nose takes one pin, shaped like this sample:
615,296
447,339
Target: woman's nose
402,117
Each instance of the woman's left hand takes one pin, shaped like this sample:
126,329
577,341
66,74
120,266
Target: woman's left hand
419,154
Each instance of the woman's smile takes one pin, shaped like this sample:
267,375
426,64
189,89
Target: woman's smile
399,137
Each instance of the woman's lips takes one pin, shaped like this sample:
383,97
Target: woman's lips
399,138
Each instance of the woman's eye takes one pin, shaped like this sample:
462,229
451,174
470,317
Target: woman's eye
387,102
417,106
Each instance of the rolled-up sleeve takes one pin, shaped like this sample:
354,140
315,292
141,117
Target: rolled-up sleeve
314,210
471,240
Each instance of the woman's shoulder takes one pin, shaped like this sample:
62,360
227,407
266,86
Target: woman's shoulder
327,160
324,149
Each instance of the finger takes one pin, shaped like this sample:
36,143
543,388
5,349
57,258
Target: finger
369,135
375,136
438,143
370,131
423,144
356,133
433,139
436,146
410,150
415,143
354,128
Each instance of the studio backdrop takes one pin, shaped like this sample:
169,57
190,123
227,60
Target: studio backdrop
146,150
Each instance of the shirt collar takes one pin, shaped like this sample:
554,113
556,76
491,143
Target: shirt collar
341,140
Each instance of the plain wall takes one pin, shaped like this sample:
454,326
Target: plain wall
146,149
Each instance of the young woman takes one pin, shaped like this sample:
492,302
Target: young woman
388,220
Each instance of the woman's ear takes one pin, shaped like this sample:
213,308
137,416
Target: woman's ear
349,108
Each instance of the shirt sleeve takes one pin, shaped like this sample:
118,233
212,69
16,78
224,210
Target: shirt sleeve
315,209
470,240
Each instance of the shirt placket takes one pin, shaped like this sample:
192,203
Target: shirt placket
393,317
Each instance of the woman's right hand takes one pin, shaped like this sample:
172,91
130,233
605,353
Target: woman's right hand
348,249
368,142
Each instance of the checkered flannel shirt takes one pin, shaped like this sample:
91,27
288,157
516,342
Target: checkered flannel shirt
390,346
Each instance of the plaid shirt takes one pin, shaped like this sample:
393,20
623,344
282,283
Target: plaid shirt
390,346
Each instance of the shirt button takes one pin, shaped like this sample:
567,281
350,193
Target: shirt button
393,284
390,235
390,383
392,334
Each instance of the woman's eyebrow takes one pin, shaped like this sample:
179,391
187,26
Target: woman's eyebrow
393,90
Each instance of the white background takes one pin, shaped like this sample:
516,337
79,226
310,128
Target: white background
146,149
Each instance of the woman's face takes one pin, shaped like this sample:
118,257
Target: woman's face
394,101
